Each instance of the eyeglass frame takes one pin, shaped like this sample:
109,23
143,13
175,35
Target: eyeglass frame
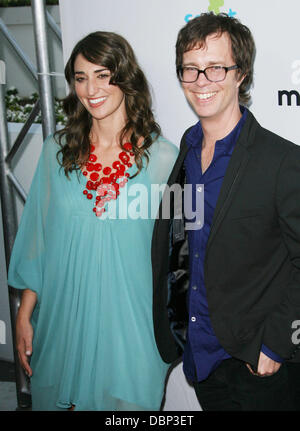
226,68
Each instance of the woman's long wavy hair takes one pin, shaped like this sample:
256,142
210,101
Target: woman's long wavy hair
113,52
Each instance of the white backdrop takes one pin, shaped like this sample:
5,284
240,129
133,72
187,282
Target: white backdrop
151,27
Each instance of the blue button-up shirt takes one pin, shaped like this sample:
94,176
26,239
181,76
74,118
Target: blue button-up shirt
203,352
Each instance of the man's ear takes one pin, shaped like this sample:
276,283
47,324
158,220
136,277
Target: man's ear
240,80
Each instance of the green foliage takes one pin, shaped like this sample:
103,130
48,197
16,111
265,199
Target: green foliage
18,109
11,3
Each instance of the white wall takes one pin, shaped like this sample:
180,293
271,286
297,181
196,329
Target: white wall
152,26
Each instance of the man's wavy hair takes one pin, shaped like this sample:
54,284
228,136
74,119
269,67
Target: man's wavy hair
194,34
112,51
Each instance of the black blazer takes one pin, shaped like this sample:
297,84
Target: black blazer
252,264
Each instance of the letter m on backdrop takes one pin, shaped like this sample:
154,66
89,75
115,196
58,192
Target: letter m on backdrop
289,95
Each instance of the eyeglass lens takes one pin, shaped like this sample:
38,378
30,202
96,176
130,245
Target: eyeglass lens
190,74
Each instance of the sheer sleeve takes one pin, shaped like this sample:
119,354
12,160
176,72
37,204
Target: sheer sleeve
28,255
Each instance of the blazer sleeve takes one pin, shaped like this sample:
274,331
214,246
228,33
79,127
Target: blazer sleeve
279,326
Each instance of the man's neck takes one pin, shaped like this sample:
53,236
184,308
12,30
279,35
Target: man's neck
218,128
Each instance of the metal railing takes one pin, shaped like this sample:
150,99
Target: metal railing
9,184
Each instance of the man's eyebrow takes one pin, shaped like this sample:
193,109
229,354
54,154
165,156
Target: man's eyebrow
190,63
209,63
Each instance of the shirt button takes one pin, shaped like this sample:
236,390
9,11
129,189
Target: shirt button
194,287
193,319
196,255
199,189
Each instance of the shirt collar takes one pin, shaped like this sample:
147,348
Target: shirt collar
194,137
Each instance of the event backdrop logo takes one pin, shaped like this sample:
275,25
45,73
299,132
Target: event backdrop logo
291,97
214,6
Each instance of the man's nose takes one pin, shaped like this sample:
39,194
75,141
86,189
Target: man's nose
202,80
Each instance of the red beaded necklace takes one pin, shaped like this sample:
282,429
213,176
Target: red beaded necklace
107,187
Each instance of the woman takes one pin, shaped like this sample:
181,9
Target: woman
84,265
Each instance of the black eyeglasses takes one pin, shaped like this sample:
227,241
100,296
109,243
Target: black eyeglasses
190,74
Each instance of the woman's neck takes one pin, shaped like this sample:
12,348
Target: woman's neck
106,134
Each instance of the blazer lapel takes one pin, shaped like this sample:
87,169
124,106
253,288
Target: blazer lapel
234,173
235,170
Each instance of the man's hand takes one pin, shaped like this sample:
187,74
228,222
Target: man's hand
266,366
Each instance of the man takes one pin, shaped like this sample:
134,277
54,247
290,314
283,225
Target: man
244,263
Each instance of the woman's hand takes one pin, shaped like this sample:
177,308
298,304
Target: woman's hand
24,330
24,337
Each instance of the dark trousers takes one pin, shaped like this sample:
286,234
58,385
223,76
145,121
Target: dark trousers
231,387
